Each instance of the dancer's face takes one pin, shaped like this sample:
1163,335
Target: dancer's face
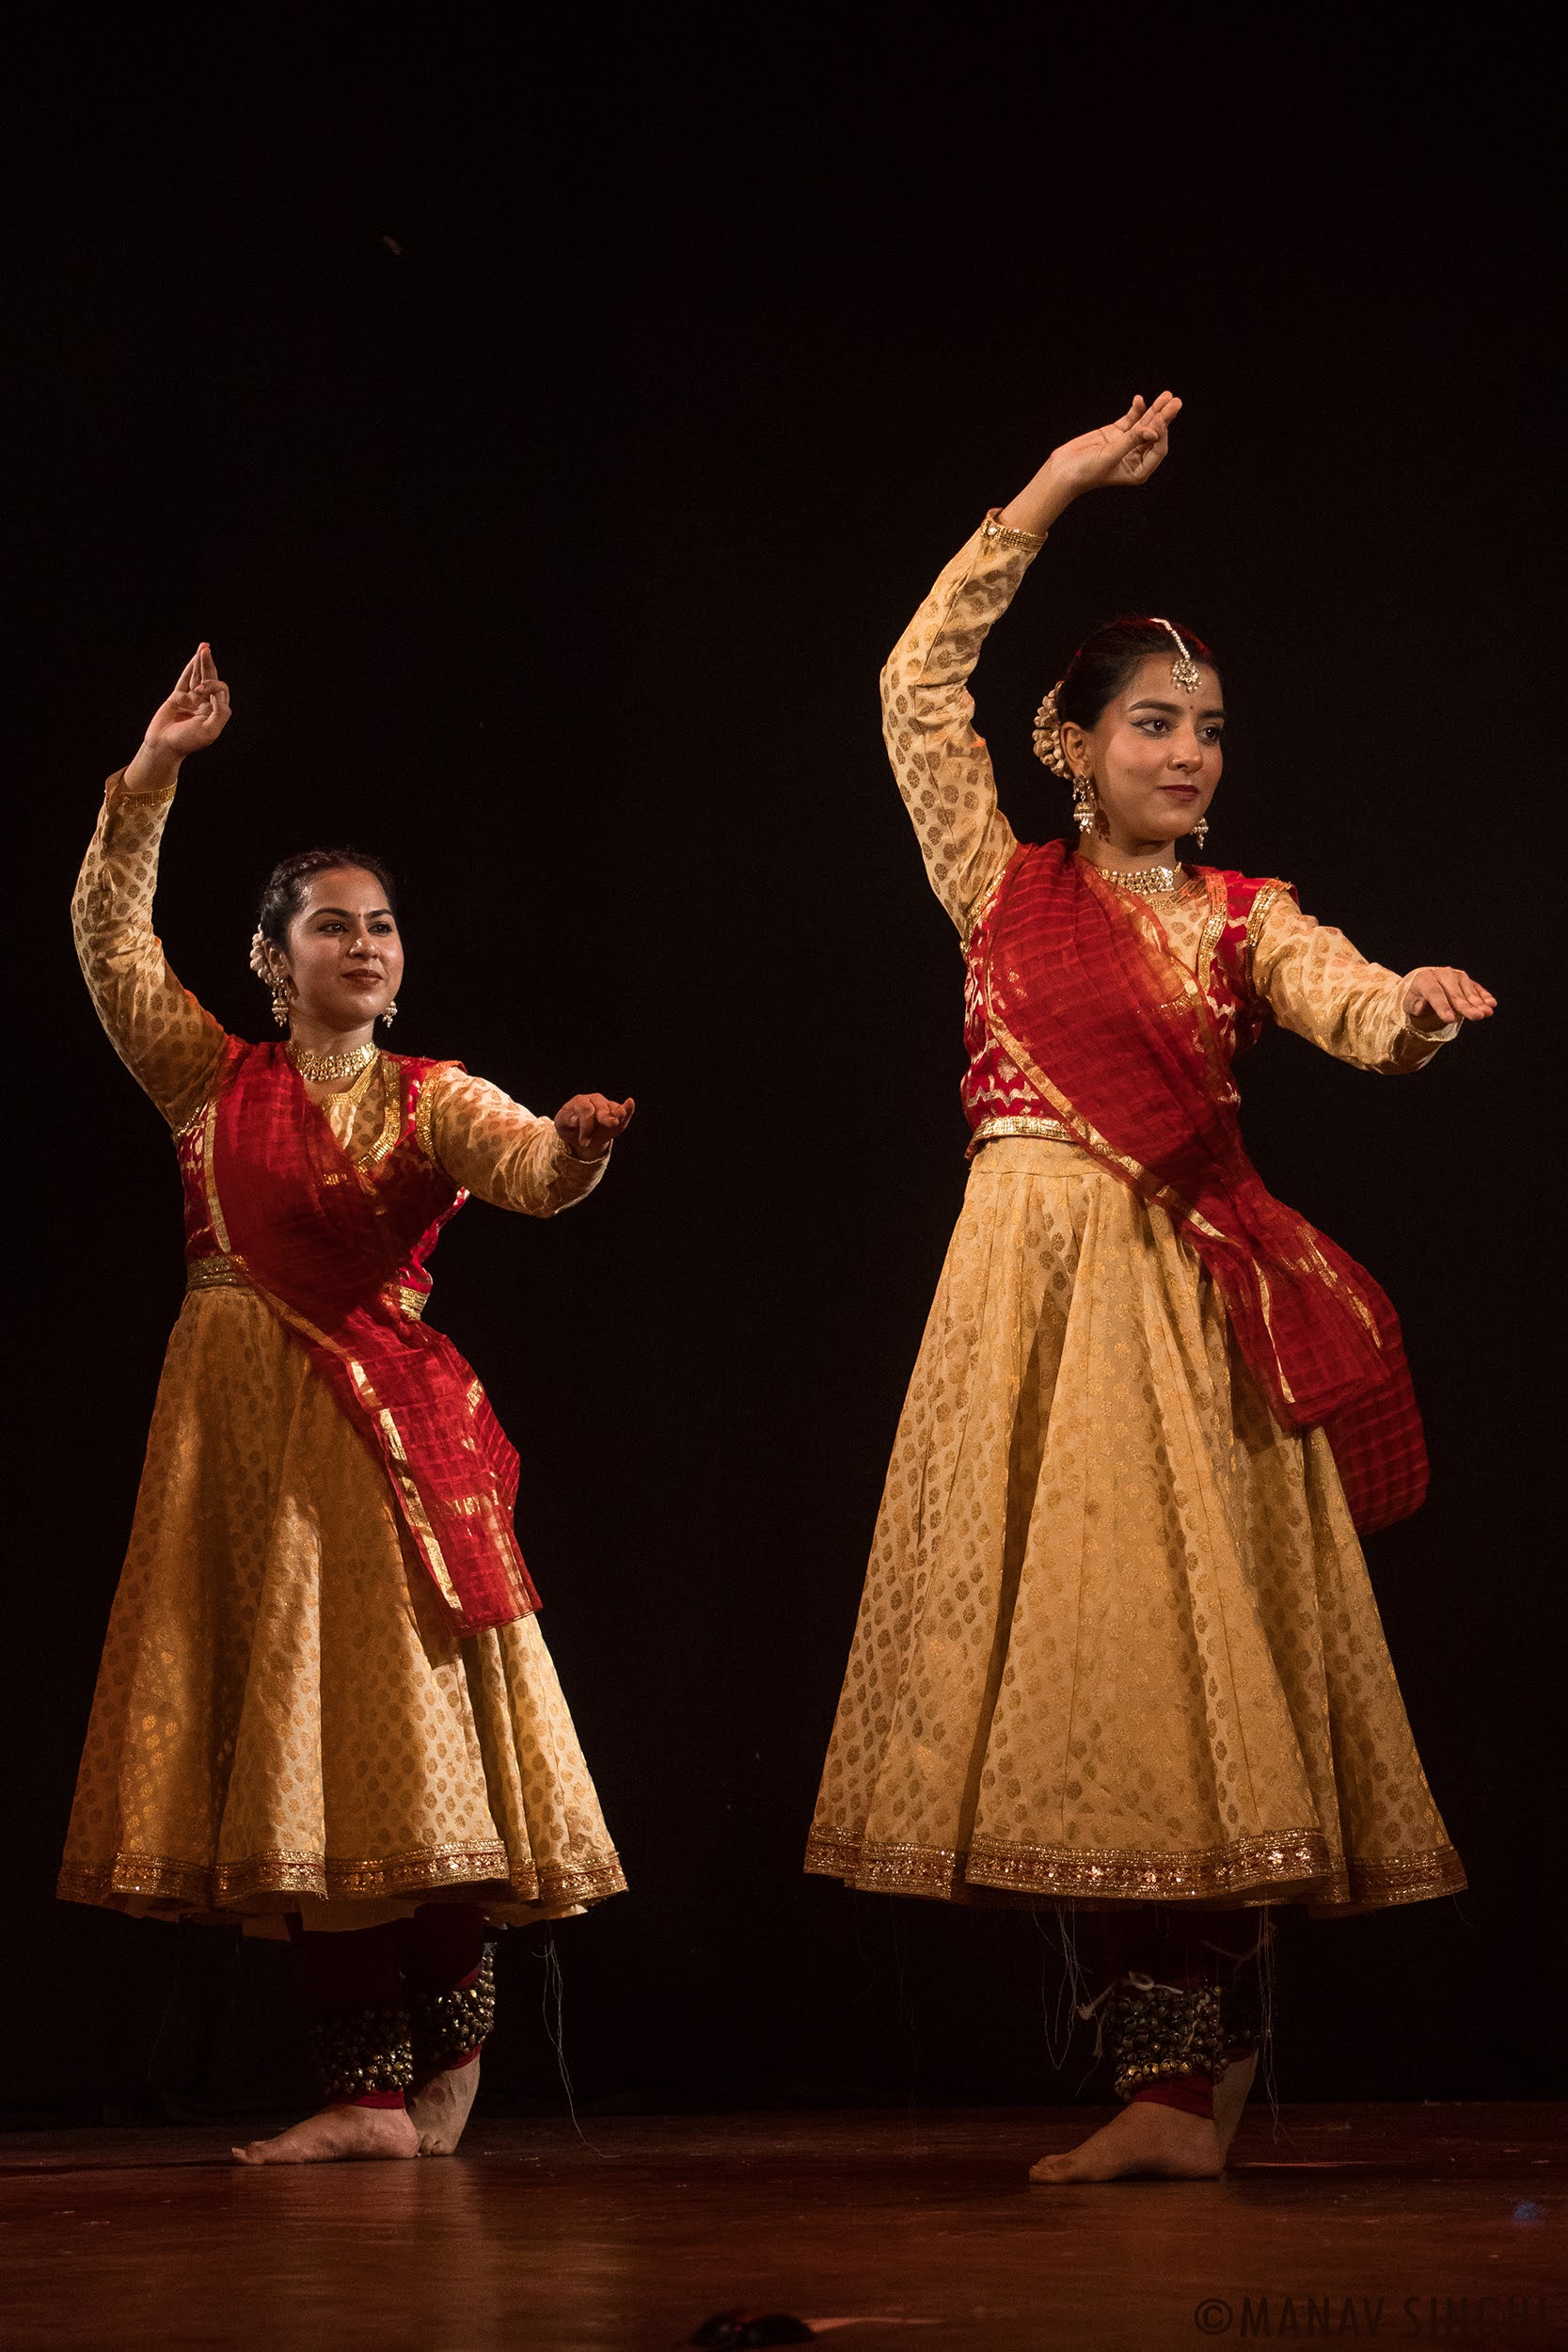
1154,753
344,956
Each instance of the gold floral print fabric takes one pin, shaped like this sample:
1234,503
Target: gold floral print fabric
283,1720
501,1152
170,1046
1116,1638
281,1711
1316,983
940,764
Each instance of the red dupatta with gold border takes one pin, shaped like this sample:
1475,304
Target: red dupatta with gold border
1084,994
335,1248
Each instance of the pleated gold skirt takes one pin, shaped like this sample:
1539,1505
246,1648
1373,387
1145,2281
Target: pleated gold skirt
283,1719
1117,1640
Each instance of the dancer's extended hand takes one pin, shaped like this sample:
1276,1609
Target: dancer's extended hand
1117,456
193,716
589,1124
1436,994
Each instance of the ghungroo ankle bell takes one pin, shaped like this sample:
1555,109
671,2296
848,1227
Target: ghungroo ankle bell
1159,2032
357,2050
447,2025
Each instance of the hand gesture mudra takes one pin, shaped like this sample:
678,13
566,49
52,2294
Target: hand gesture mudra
193,716
1117,456
589,1124
1120,456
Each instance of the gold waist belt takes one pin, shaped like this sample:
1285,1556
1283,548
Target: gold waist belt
210,1274
220,1273
1042,1130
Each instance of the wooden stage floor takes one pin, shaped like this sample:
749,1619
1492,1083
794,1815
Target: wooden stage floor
1365,2225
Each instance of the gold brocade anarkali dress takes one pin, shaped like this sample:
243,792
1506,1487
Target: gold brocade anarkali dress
284,1721
1117,1640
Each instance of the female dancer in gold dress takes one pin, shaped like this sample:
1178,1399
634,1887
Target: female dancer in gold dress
1118,1648
324,1708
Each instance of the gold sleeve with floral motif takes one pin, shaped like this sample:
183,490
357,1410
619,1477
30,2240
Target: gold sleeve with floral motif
1316,983
942,765
169,1044
499,1150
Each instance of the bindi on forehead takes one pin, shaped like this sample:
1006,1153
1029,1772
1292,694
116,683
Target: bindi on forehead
1172,709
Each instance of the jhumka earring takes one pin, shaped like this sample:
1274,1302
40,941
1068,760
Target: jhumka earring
1084,803
280,1003
391,1013
1200,831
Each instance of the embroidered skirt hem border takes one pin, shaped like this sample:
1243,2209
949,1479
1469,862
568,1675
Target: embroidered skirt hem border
1296,1867
159,1882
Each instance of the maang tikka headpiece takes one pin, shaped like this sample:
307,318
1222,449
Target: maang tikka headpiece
1183,670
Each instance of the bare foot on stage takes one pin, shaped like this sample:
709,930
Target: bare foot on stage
1231,2096
337,2133
440,2111
1143,2143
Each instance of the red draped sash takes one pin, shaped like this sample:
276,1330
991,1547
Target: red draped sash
1116,1033
337,1250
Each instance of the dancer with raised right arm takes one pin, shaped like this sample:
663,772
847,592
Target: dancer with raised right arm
1118,1648
324,1708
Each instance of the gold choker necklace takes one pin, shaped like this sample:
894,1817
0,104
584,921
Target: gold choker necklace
317,1066
1148,882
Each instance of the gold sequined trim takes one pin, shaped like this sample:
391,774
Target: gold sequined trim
1299,1857
408,1486
411,1302
1267,898
1296,1867
884,1870
209,1180
1409,1877
215,1274
126,795
424,1113
391,1123
162,1881
1213,929
397,1459
1044,1129
1002,535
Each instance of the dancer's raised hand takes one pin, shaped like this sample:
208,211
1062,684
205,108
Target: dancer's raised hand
589,1124
1120,456
193,716
1117,456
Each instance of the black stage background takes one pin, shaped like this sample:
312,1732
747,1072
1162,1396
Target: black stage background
551,443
